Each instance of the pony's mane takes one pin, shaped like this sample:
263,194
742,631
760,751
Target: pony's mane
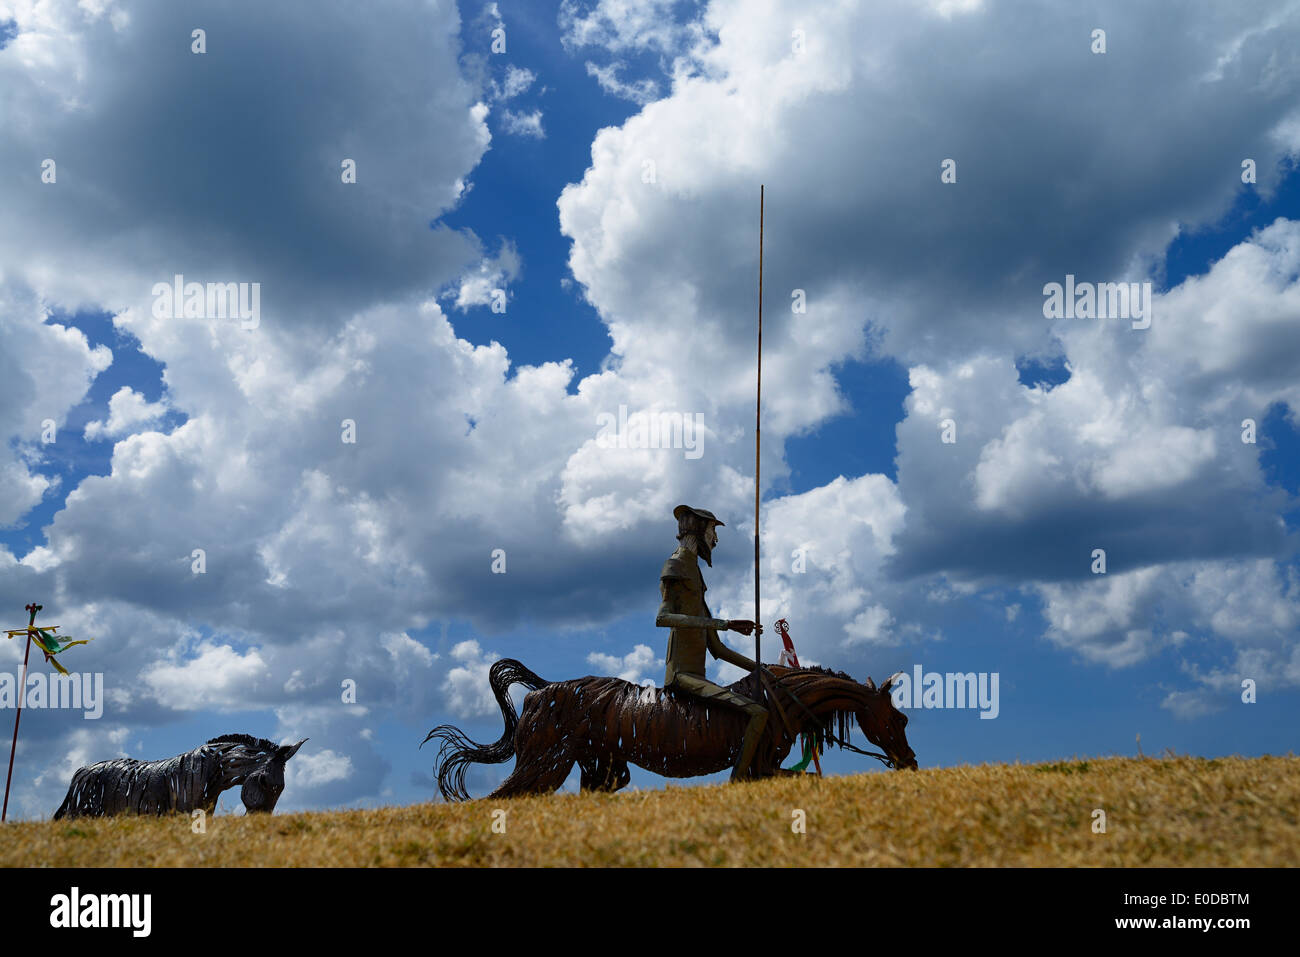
259,744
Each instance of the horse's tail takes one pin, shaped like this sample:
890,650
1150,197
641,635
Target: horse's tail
71,800
458,752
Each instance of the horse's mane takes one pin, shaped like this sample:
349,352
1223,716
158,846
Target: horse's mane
749,685
257,744
817,670
801,681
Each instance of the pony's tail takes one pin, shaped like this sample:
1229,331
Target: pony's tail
458,752
64,808
70,802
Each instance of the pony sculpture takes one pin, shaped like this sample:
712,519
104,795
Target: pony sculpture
605,724
187,782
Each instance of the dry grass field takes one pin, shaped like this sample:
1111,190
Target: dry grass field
1172,811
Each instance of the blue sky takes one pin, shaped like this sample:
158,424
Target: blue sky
524,170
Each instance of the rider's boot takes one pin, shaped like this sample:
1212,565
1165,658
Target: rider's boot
753,731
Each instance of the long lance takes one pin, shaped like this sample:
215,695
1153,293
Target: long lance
758,416
31,625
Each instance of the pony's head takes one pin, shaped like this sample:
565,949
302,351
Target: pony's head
259,765
885,726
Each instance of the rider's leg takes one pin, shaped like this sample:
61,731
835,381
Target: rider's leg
753,731
701,687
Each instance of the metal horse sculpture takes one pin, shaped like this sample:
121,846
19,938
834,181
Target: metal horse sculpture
184,783
605,724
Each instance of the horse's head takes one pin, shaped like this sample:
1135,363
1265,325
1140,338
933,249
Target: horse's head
264,780
884,725
825,696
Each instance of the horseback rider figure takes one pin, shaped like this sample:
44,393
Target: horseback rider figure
694,629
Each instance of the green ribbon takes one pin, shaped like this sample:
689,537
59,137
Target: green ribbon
807,754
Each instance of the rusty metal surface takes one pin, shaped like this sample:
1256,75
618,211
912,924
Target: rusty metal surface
604,724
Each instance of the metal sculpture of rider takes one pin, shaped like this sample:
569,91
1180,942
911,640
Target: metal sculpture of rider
695,630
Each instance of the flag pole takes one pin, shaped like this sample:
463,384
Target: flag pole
758,413
22,693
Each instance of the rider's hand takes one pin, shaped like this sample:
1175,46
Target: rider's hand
743,626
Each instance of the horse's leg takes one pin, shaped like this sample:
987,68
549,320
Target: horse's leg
619,775
539,773
607,773
543,757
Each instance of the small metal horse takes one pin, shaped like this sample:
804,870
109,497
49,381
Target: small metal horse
186,782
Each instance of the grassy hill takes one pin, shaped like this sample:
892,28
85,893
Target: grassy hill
1172,811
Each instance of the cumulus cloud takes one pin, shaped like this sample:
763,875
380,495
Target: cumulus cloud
1133,454
216,676
632,666
312,770
47,369
1251,606
469,695
1138,452
127,409
489,279
133,217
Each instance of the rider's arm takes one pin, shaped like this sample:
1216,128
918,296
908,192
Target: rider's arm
669,618
721,651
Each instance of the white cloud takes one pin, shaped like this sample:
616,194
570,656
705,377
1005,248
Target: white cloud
312,769
468,693
1137,452
1251,606
47,369
641,91
823,557
872,626
523,124
517,80
1188,705
490,278
406,652
624,25
72,84
127,409
217,676
630,667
